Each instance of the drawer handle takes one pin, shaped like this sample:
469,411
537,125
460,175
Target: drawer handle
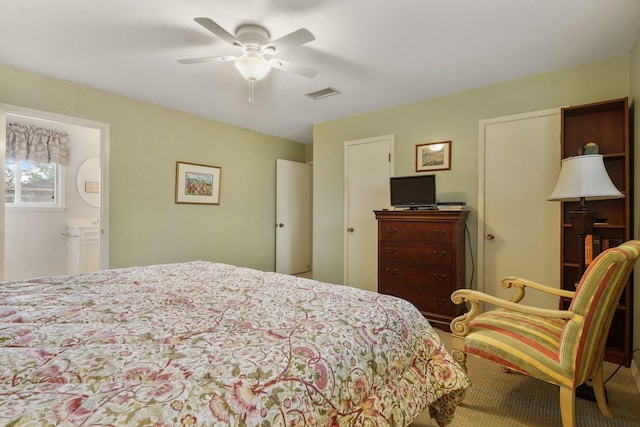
391,271
439,232
440,277
439,254
391,230
390,250
390,292
439,301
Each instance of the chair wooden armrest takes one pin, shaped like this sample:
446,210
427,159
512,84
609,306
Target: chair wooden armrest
520,284
460,325
561,347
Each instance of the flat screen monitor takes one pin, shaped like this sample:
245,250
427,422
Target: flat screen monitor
413,192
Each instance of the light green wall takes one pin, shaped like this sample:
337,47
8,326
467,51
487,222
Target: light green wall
634,97
146,226
308,153
454,117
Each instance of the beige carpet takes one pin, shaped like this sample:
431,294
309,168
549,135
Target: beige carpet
500,399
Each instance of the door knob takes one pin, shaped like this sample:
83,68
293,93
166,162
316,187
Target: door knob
350,229
490,237
280,225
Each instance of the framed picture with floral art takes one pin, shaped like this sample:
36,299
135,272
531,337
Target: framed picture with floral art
197,184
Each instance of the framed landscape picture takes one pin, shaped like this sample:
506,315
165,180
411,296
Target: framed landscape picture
199,184
433,156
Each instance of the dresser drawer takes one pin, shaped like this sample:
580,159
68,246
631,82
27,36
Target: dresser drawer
433,231
426,275
418,252
436,299
421,258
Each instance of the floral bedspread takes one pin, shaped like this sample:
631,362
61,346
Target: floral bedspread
207,344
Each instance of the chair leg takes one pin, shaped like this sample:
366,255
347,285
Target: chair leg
598,389
568,407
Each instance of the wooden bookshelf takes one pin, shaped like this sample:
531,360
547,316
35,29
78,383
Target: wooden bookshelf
606,124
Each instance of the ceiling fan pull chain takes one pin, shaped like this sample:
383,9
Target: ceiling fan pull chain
251,83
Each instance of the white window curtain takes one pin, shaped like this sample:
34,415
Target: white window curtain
36,144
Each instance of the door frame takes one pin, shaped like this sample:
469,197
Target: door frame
103,128
482,126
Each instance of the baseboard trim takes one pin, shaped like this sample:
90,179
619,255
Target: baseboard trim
635,372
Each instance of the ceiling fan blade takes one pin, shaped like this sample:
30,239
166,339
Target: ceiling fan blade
293,68
294,39
206,59
218,31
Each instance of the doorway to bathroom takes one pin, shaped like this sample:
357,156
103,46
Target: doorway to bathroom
70,237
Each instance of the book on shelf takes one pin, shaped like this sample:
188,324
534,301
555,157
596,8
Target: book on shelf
594,244
610,243
588,249
597,245
592,247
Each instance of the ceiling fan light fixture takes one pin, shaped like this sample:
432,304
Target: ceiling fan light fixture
255,42
252,66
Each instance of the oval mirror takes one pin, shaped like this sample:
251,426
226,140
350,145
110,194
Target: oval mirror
88,181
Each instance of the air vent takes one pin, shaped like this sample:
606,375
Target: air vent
323,93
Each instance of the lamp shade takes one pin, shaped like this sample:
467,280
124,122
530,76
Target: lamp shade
253,67
584,177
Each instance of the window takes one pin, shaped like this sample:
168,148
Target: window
33,168
33,184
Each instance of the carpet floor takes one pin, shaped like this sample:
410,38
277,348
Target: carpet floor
498,399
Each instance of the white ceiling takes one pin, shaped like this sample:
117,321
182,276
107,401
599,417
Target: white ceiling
378,53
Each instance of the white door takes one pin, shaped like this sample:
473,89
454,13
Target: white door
368,167
518,229
293,217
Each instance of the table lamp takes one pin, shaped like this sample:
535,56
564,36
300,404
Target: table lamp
583,178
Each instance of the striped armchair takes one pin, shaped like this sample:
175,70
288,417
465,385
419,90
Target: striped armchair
562,347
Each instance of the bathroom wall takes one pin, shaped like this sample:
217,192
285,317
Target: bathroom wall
35,241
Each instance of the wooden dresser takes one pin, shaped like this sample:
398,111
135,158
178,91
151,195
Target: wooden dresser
421,258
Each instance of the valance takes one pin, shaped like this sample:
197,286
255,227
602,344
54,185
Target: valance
36,144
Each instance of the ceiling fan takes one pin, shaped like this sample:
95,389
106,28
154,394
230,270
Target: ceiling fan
257,51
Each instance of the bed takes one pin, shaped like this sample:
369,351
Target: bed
210,344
